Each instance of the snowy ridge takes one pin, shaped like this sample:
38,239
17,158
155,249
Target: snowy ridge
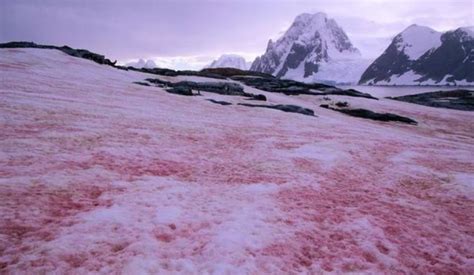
230,61
422,56
314,43
417,40
141,63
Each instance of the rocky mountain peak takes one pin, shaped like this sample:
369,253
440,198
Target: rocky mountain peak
421,55
310,43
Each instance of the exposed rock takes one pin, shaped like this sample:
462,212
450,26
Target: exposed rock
457,99
180,90
229,72
364,113
160,83
225,103
259,97
341,104
284,108
348,92
291,87
222,88
141,83
275,85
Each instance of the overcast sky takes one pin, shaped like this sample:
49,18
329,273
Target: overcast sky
189,34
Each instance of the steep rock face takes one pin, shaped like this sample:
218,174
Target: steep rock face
313,43
420,55
229,61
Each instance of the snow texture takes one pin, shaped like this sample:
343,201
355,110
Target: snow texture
100,175
417,40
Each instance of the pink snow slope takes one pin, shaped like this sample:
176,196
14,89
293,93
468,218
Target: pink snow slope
99,175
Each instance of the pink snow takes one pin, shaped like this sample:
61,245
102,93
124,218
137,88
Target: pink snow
99,175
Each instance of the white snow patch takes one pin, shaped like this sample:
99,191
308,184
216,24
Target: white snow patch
417,40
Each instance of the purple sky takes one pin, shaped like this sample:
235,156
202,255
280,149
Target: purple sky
189,34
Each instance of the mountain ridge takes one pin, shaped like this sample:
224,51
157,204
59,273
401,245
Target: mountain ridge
420,55
313,43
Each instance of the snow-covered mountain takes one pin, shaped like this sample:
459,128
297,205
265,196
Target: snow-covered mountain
230,61
314,48
422,56
141,63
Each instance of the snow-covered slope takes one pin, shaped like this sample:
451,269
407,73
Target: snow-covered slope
313,49
420,55
417,40
230,61
141,63
102,176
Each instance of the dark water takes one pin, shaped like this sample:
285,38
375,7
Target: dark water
384,91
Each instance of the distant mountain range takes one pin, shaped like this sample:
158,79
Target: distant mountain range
141,63
421,55
316,49
230,61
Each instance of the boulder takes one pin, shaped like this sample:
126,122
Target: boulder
141,83
284,108
259,97
180,90
225,103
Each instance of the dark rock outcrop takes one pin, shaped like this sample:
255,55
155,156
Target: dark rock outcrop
364,113
160,83
291,87
258,97
141,83
225,103
222,88
180,90
229,72
457,99
341,104
284,108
